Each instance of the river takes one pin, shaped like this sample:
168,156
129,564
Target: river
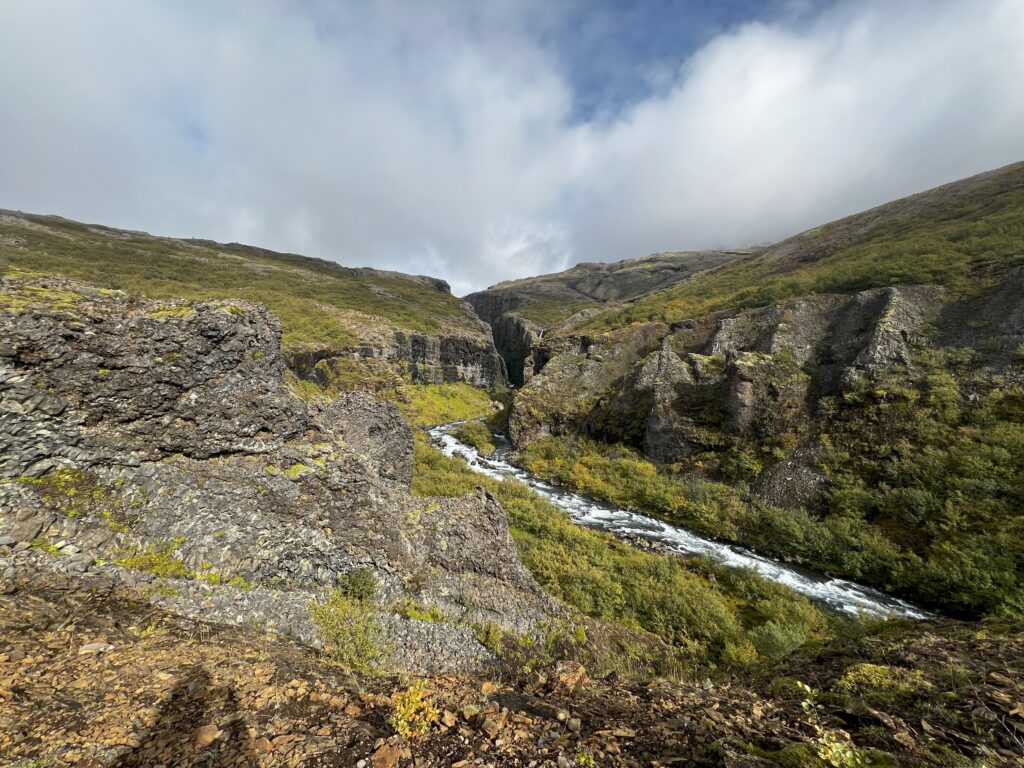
838,594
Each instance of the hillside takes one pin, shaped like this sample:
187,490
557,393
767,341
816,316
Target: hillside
850,398
522,311
333,315
963,236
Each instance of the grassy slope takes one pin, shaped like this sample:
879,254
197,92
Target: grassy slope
553,298
962,235
926,466
320,304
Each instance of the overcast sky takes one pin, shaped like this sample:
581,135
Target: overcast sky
479,141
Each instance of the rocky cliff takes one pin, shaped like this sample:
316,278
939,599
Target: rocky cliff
520,312
344,317
155,442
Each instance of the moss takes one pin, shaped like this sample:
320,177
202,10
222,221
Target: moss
409,608
78,493
172,311
158,559
880,685
258,354
48,547
16,298
233,309
297,470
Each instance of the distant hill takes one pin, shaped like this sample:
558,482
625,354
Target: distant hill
411,324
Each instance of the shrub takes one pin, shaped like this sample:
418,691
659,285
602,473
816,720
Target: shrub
350,631
477,434
414,712
775,641
360,584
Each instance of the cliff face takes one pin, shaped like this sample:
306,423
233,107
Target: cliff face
159,436
409,323
690,388
750,372
520,312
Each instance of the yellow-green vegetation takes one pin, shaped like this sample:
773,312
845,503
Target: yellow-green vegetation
676,600
297,470
318,302
348,625
527,653
833,748
183,309
880,684
409,608
159,559
78,493
426,405
45,546
360,584
927,495
16,298
414,712
550,314
477,434
960,241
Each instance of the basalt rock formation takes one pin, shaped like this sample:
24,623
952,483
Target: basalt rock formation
520,312
158,442
334,318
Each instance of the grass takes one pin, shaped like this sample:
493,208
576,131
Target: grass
926,496
961,241
321,305
706,613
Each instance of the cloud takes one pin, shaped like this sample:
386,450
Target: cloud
442,138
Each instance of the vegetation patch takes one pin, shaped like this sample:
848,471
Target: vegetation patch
351,633
703,619
409,608
158,559
477,434
414,712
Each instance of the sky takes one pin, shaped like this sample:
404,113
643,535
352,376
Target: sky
483,140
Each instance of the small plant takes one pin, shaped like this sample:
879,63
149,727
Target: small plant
414,712
834,748
350,631
360,584
45,546
585,758
410,609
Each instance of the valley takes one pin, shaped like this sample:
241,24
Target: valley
747,507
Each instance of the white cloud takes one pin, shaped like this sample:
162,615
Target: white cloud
438,138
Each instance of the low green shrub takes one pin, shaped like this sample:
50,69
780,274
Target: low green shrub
351,633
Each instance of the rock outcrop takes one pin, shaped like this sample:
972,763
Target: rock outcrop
342,317
520,312
743,376
160,435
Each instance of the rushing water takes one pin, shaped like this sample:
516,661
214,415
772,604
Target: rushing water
839,594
